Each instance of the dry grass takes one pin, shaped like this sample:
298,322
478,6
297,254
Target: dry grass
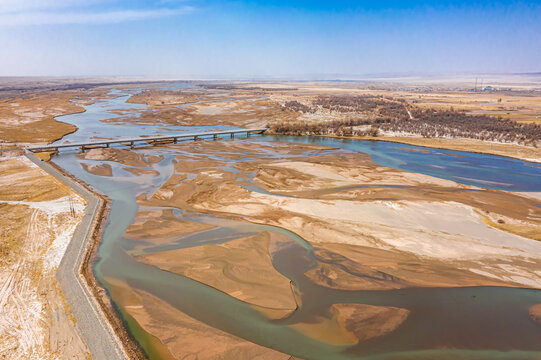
518,106
13,229
163,97
20,182
30,118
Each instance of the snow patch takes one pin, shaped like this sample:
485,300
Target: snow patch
53,207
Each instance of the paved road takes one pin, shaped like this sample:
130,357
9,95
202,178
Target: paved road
96,331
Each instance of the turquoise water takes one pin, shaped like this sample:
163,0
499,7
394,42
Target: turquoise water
445,323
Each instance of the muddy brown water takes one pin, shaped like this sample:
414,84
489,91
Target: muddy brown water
445,323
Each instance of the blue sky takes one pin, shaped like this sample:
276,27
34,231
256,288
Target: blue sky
253,39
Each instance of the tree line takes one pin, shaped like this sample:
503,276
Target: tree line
447,123
391,115
376,106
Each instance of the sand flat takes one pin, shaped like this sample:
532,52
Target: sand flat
535,313
350,324
172,334
160,225
122,156
100,170
436,221
241,268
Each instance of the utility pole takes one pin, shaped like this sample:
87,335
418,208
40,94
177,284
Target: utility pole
72,209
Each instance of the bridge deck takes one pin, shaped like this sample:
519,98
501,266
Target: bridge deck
132,141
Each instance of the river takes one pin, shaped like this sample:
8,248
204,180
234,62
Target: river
445,323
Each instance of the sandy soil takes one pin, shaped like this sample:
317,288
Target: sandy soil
366,321
353,267
38,216
28,108
522,107
101,170
137,172
535,313
123,156
241,268
183,337
256,105
350,324
321,173
160,226
519,103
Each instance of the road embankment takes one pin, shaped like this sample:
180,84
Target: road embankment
93,322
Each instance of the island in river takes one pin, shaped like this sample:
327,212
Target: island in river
278,247
359,226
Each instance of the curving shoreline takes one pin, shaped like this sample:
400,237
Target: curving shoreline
101,329
425,142
90,287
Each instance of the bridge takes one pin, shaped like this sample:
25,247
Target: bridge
152,140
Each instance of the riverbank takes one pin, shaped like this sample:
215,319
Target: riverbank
514,151
113,341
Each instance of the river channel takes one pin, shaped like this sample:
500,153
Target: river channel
445,323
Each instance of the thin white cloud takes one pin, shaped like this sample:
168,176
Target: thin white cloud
17,6
81,17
